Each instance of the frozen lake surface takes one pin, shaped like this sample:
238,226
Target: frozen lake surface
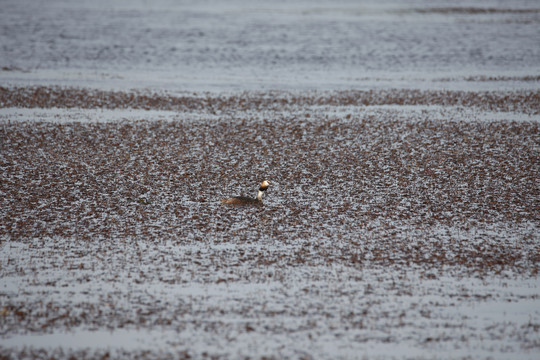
401,140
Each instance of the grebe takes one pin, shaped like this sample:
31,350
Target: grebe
242,200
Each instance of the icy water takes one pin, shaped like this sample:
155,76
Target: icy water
401,141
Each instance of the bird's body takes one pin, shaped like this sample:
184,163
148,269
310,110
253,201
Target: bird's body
243,200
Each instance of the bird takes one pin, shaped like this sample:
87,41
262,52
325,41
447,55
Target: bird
243,200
